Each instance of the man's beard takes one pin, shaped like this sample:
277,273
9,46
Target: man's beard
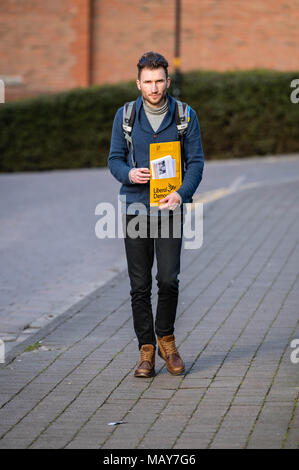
156,103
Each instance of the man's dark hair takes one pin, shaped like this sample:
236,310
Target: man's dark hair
152,60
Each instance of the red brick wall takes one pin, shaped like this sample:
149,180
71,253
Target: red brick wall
240,34
45,43
35,43
61,44
124,30
80,46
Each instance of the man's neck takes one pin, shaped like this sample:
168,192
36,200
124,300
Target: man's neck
162,106
155,106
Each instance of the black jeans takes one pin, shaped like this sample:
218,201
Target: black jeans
140,257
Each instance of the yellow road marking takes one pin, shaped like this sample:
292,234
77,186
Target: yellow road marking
219,193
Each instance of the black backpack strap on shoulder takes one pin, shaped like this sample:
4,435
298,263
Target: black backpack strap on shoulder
129,113
182,118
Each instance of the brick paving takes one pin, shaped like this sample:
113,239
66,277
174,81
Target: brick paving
237,315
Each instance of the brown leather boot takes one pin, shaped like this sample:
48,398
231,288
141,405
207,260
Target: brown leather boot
146,365
168,351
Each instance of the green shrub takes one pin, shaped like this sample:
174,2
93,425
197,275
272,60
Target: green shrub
240,114
244,113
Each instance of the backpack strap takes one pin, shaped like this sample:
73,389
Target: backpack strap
129,113
182,118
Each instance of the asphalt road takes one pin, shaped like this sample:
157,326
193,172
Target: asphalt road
50,255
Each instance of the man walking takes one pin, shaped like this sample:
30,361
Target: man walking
155,122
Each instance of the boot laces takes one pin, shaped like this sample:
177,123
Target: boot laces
170,348
146,355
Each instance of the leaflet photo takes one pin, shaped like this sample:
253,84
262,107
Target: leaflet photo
163,167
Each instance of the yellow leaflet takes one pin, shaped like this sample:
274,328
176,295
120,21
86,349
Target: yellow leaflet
166,170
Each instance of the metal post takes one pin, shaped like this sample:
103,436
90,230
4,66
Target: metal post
177,59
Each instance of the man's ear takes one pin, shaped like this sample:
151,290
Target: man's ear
138,84
168,82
